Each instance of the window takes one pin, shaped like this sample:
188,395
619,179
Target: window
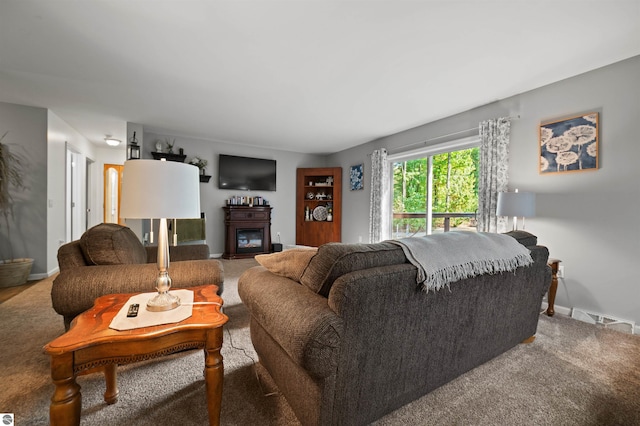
435,189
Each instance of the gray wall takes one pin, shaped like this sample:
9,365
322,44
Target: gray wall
40,211
60,136
588,220
213,199
27,127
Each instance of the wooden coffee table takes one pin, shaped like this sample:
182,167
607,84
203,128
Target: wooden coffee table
91,344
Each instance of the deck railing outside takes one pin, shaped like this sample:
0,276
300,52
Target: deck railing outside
404,224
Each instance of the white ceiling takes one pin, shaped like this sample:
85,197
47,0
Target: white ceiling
299,75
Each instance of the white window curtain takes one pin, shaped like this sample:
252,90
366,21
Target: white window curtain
494,172
379,203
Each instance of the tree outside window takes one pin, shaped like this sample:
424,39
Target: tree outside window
453,188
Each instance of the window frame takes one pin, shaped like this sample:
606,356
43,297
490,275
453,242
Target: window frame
427,152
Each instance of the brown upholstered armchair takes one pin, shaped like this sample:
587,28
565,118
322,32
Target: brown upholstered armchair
109,258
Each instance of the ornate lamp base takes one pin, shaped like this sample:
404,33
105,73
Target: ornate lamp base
163,302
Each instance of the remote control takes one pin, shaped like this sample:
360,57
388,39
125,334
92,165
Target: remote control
133,310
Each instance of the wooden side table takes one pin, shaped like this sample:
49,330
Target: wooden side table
90,344
555,264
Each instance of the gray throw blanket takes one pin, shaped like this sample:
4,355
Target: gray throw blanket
452,256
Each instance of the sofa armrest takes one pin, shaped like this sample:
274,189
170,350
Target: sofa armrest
180,253
74,290
70,256
299,320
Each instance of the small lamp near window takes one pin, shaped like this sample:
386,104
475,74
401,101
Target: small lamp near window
516,204
133,149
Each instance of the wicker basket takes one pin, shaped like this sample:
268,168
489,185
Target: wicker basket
15,272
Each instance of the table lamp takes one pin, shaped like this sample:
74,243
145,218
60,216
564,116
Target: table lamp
153,189
516,204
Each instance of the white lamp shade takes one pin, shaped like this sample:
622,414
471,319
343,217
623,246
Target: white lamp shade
153,189
520,204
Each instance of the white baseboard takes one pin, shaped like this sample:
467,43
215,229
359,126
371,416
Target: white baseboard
568,312
33,277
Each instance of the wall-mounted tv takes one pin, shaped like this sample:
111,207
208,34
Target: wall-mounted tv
245,173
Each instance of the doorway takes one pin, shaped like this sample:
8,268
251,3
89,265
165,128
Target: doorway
112,189
75,199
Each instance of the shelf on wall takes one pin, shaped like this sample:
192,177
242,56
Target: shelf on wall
205,178
169,157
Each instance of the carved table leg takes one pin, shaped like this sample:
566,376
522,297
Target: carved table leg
66,402
111,394
213,373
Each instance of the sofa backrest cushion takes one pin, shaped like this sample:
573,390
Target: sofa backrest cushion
524,238
336,259
112,244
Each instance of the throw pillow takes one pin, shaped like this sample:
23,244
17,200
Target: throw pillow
289,263
112,244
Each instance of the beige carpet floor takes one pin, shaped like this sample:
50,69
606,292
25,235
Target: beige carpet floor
572,374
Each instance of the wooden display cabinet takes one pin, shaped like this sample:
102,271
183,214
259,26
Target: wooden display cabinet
318,206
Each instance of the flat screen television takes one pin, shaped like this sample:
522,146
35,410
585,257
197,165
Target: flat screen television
246,174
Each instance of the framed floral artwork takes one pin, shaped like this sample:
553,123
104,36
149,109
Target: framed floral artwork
356,177
569,145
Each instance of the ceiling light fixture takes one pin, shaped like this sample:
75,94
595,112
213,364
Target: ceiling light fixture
112,141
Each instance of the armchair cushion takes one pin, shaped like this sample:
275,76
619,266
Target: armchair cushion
112,244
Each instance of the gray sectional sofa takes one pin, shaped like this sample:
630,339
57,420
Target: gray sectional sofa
352,337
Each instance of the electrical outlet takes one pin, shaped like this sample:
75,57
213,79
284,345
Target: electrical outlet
560,271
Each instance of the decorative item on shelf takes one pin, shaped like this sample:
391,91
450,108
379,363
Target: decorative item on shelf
330,181
320,213
158,146
247,201
133,149
13,172
170,144
311,195
321,196
329,214
307,213
177,197
199,163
